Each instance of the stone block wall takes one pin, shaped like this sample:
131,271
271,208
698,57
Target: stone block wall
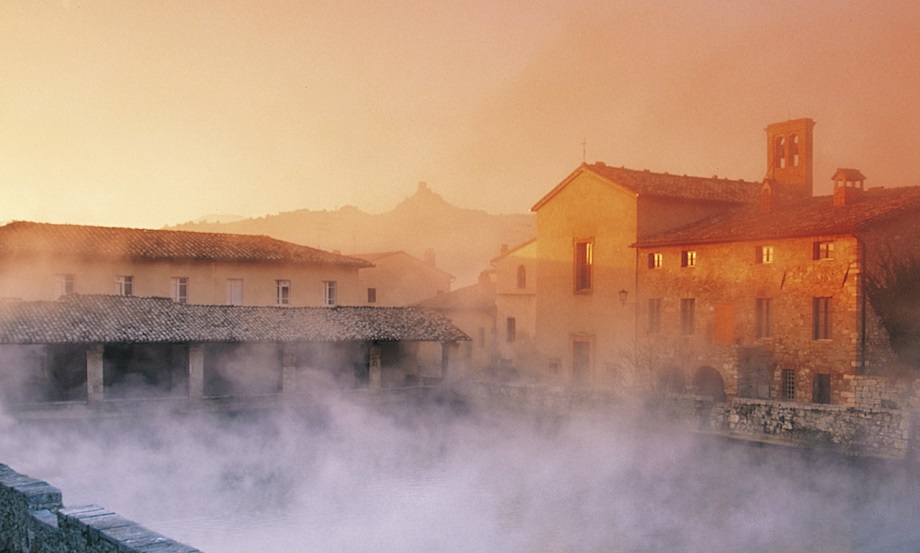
863,431
33,519
858,431
890,392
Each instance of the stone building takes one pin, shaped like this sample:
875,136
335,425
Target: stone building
641,280
770,301
45,261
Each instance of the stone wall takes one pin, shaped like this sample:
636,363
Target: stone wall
855,431
34,520
865,431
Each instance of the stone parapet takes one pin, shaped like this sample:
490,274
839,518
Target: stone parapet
34,520
863,431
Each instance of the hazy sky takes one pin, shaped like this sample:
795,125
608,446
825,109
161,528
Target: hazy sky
153,113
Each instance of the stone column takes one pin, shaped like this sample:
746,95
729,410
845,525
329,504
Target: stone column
288,370
195,372
446,347
95,376
374,369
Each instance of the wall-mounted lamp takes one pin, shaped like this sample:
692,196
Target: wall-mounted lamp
623,295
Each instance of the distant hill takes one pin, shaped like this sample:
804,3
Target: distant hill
463,240
219,219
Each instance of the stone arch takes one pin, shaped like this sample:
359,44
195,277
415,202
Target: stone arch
671,380
708,382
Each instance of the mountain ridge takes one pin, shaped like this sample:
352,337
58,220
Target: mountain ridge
463,240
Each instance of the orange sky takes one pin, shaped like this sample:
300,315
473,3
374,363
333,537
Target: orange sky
152,113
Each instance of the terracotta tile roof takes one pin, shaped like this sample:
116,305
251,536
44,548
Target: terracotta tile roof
647,183
815,216
26,238
118,319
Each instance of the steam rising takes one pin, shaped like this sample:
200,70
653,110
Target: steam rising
440,475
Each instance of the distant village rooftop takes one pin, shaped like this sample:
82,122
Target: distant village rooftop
89,242
119,319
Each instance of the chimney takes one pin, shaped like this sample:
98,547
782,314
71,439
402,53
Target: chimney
429,257
504,250
848,186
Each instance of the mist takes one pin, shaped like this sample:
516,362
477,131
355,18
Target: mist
449,474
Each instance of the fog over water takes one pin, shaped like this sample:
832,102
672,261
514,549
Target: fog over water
446,476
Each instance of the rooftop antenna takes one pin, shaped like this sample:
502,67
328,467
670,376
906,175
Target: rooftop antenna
584,150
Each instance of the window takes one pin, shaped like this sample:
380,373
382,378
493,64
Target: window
179,289
584,259
794,150
521,277
371,295
687,316
823,250
688,258
779,152
329,299
63,285
282,292
510,329
763,308
124,285
763,254
821,319
821,389
787,393
655,260
234,291
654,315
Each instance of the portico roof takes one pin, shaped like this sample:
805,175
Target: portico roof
118,319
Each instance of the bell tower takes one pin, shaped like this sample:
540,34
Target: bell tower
790,155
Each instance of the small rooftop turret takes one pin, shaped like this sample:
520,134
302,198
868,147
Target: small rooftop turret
848,186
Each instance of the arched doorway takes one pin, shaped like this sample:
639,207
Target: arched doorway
708,382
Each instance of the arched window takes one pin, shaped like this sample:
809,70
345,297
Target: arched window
794,150
779,152
521,277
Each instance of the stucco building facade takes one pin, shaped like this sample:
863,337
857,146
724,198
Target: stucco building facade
516,307
45,261
399,279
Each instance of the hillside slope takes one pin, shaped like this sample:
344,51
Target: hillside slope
463,240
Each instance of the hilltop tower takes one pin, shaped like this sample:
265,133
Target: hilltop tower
790,159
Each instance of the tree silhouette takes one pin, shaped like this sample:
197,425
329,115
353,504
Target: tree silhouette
893,289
